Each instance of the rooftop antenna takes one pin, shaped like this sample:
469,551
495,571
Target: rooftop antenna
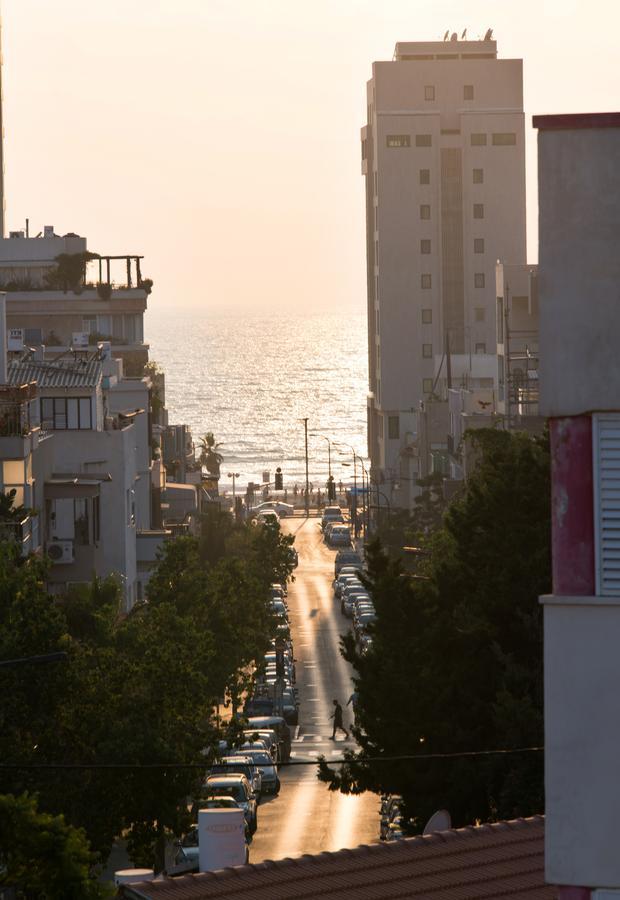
489,34
464,35
446,35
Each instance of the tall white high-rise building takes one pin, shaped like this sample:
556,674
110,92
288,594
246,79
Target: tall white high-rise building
444,158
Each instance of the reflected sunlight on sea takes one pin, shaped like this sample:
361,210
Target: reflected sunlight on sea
251,379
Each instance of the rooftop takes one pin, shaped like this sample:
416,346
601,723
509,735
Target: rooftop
505,859
83,371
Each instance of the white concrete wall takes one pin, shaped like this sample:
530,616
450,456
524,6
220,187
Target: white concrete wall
110,452
126,395
579,271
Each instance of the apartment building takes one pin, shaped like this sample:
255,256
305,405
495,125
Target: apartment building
443,155
57,297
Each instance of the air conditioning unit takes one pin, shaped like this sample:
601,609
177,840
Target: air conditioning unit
60,552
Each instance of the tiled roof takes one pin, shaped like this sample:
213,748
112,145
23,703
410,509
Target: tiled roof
66,372
505,859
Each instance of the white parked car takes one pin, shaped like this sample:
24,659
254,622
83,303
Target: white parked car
268,517
283,509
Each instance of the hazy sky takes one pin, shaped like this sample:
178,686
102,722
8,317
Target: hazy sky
221,139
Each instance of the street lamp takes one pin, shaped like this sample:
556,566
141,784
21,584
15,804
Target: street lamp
233,475
329,450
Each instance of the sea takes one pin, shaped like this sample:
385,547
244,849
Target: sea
252,379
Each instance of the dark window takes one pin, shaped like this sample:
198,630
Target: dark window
478,245
425,282
425,211
398,140
478,140
80,516
478,176
504,139
425,176
468,92
425,246
429,92
479,313
427,316
481,347
423,140
427,385
393,428
427,351
478,210
66,413
479,279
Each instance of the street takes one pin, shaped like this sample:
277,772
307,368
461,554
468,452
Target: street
306,817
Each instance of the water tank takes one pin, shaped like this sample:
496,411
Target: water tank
133,876
221,839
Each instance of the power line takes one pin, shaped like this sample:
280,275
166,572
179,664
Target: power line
419,757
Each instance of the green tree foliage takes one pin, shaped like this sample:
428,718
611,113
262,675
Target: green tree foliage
138,688
68,275
456,660
42,856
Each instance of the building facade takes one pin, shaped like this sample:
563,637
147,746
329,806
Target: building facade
444,160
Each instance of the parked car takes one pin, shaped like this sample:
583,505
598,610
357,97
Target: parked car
237,786
343,579
279,506
268,517
331,514
187,857
240,765
340,536
277,724
269,773
346,557
266,736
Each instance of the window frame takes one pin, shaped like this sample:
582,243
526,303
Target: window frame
426,281
427,351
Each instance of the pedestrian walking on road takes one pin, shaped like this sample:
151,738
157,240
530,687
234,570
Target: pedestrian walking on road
337,717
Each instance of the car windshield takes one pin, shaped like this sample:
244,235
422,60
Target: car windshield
226,790
261,758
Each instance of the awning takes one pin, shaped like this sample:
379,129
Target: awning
62,487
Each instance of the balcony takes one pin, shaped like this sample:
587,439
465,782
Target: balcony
24,532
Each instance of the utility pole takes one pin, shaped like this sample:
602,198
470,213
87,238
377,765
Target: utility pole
307,480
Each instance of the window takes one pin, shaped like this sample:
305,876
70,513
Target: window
89,324
427,351
500,320
478,176
425,211
429,92
481,347
131,506
425,246
66,413
504,139
80,518
478,245
427,316
468,92
478,140
425,176
425,282
479,279
427,385
423,140
96,520
393,428
479,313
478,210
398,140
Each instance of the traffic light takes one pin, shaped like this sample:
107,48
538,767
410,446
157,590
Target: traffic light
331,489
279,480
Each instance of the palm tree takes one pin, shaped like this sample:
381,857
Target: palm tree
210,458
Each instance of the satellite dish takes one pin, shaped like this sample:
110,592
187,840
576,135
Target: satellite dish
464,35
439,821
446,35
489,34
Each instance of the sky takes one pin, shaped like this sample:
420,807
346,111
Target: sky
220,138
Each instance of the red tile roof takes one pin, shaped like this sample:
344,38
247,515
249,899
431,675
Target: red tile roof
505,859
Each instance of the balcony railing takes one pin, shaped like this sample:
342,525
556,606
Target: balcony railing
24,532
15,415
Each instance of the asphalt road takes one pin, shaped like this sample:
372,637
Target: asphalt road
306,817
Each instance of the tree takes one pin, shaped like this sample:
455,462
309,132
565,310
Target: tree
456,659
210,457
42,856
70,270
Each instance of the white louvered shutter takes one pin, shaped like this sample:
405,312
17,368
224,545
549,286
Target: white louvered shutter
606,439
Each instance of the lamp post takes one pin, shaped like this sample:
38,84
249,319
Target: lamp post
234,476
